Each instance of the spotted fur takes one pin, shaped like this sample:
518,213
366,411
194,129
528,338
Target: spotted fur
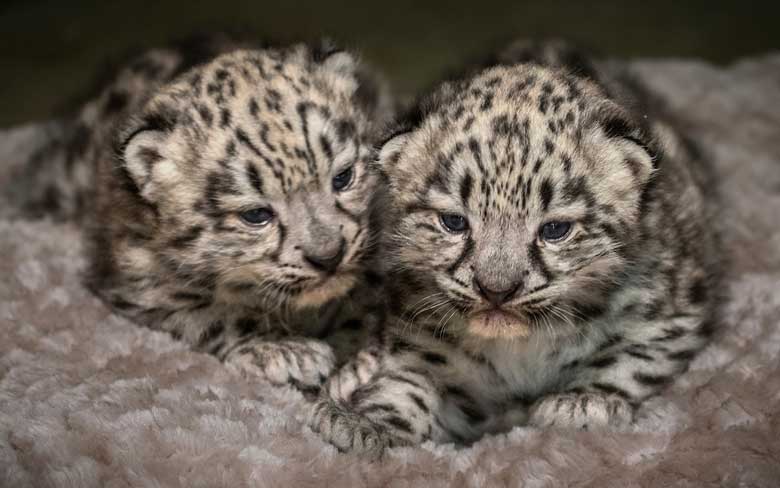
498,326
163,166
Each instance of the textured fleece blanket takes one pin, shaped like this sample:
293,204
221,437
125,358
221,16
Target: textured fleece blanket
88,399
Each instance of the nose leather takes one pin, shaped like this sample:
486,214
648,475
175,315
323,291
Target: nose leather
497,297
327,263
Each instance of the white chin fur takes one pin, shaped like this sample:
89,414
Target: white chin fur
495,324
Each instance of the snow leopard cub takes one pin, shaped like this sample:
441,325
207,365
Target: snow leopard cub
552,260
227,197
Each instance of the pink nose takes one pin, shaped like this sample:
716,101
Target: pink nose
496,297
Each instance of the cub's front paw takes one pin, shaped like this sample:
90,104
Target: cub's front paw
352,375
302,363
348,431
582,411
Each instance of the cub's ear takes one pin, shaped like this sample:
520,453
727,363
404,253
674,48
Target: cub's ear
634,139
618,126
341,63
334,59
390,150
347,73
140,149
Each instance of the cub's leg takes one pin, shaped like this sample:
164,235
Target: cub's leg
582,410
394,408
625,370
357,343
356,372
302,362
254,344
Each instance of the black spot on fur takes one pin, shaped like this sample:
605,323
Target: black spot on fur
535,256
419,402
434,358
617,127
326,147
468,248
670,334
206,115
466,185
436,180
218,184
698,292
487,102
639,355
224,118
611,389
501,125
254,108
246,326
473,414
549,146
706,329
468,123
544,102
214,330
399,423
254,178
466,403
124,305
578,189
650,380
187,238
404,379
164,121
398,345
492,82
221,75
546,193
571,364
684,355
345,129
604,362
610,341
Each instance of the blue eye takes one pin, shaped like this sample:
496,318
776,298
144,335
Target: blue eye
257,216
454,223
555,231
342,180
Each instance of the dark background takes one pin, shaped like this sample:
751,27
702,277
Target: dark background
49,50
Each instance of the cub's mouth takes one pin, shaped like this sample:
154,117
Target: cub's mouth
327,289
496,322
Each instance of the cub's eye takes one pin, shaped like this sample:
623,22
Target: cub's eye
555,231
342,180
453,222
257,216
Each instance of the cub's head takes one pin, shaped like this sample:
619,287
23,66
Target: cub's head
256,168
515,196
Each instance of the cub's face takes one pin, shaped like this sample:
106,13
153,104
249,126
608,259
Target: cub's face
256,166
514,200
